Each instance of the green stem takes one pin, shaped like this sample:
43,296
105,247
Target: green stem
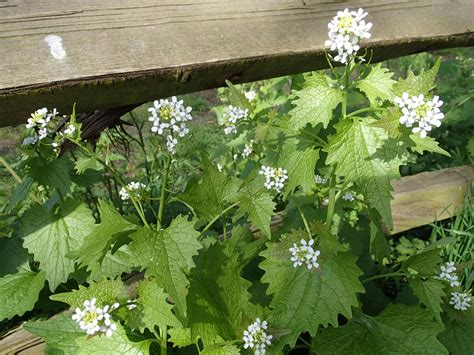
10,169
164,340
216,218
118,178
332,197
367,109
164,180
305,221
382,276
224,228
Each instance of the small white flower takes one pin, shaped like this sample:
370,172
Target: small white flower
230,117
304,254
219,167
247,150
95,319
250,95
256,337
460,301
131,304
70,129
133,187
274,177
346,30
39,118
447,273
169,117
419,113
320,180
348,196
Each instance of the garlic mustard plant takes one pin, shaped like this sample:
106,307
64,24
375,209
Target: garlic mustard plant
169,118
132,188
447,273
304,254
461,301
419,113
232,115
274,177
95,319
346,30
256,337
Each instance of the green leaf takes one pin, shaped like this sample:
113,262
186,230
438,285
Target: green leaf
98,243
59,333
168,256
259,205
152,308
212,194
300,162
390,122
305,299
14,257
55,174
427,144
365,155
106,292
379,246
430,292
85,163
19,292
218,300
118,344
113,265
418,84
377,86
424,262
399,329
237,98
217,349
458,338
180,337
51,236
316,101
20,193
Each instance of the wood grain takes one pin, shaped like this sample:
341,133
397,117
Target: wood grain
418,200
429,197
130,51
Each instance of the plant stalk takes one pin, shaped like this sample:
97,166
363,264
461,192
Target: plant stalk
164,180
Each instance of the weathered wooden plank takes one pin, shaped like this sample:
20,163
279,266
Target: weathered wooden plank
130,51
418,200
428,197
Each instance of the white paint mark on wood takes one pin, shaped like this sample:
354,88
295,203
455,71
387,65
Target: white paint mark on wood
55,44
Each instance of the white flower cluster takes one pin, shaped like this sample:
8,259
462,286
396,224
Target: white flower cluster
448,274
230,117
248,149
320,180
95,319
169,118
256,338
250,95
274,177
346,29
420,113
304,254
348,196
39,121
460,301
133,187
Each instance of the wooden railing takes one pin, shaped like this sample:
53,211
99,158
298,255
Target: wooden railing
106,54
